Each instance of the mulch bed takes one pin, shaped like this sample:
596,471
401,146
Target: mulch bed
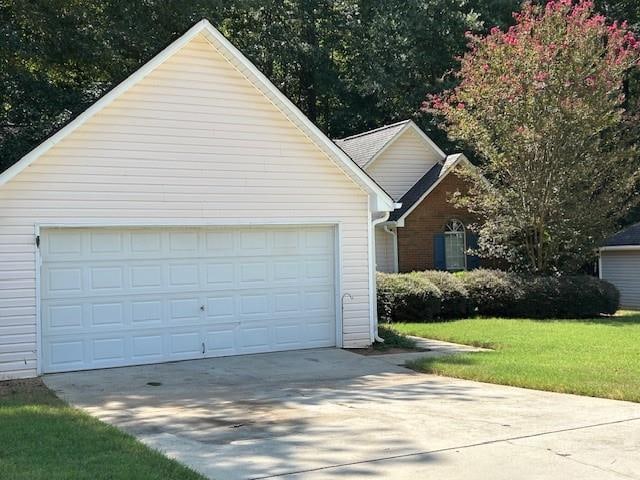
27,385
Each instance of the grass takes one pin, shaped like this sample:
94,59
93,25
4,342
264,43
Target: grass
595,357
43,438
392,340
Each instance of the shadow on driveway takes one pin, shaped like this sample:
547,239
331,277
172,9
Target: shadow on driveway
329,413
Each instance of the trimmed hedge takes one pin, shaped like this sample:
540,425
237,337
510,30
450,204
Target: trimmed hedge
455,296
405,297
491,292
425,296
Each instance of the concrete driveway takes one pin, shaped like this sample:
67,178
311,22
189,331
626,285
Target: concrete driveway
321,414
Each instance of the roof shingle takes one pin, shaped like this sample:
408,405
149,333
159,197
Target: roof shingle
364,146
628,236
423,185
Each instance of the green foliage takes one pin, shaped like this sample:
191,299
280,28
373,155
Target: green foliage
455,297
407,297
425,296
491,292
393,339
580,296
545,106
494,292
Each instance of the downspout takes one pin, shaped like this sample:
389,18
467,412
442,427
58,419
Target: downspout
394,234
372,282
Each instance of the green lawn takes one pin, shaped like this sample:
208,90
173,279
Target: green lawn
41,437
596,357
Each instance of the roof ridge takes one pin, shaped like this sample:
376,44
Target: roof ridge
368,132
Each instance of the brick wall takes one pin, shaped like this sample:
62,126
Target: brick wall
415,239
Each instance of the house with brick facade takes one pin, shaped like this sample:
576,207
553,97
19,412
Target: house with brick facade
427,231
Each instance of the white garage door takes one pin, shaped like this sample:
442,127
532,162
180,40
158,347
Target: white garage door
114,297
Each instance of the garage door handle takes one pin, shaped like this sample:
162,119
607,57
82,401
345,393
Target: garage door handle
202,307
203,350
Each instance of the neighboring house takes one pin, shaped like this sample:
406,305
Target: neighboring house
191,212
620,264
428,231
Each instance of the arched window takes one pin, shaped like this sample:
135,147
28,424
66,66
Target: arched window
455,246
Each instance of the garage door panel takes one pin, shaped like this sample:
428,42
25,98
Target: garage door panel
145,243
220,308
65,354
253,274
220,275
146,312
62,317
252,243
288,335
287,302
319,300
62,245
146,276
105,242
219,243
321,332
254,337
114,297
286,271
108,315
182,310
148,347
186,343
109,350
183,242
221,339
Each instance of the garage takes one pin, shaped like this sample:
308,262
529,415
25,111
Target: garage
191,212
125,296
620,264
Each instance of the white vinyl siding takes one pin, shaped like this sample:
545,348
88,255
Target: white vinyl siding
623,270
193,143
385,255
403,163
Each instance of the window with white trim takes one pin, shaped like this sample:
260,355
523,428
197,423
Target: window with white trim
455,246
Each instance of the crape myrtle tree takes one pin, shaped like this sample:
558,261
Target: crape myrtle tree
543,105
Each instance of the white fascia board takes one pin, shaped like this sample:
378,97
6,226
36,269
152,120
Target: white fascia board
383,200
620,248
461,158
409,125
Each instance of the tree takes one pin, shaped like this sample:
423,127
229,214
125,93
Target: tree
543,105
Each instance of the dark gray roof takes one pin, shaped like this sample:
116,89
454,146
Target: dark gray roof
364,146
628,236
416,192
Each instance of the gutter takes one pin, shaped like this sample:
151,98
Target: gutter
619,248
372,277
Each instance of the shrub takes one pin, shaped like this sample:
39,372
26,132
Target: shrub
422,296
539,296
407,298
491,292
584,296
565,297
455,297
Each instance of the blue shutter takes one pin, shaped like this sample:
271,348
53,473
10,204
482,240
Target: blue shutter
473,261
439,260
